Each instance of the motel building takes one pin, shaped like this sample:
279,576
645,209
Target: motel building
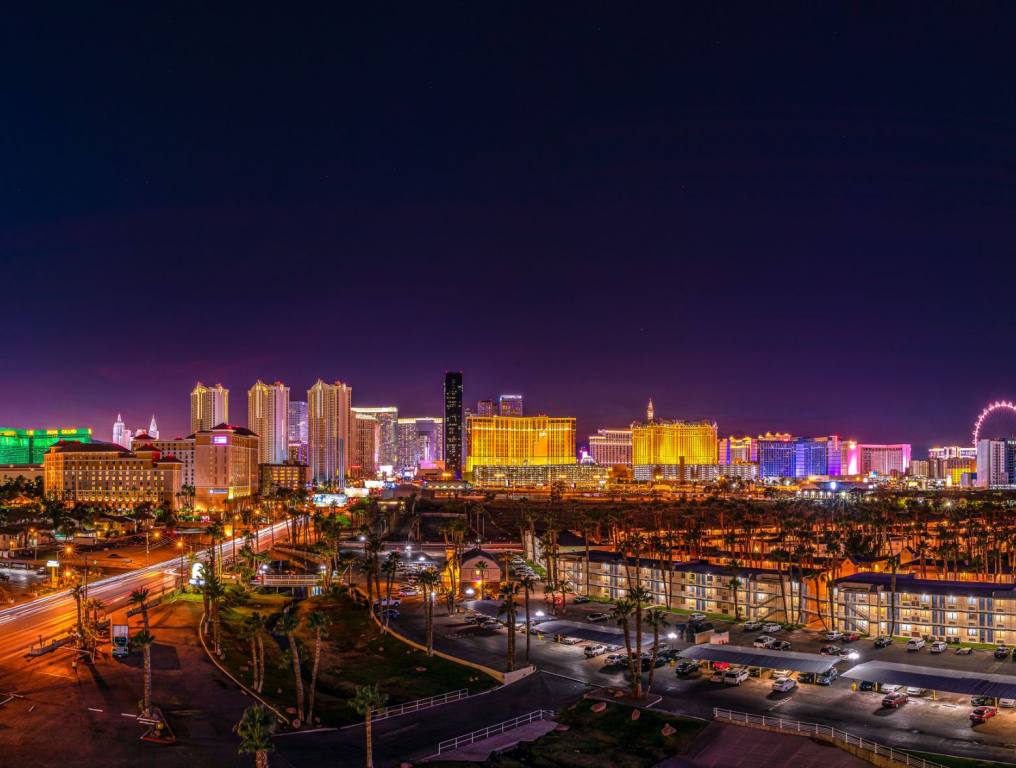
954,611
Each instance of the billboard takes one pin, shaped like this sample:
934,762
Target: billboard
329,499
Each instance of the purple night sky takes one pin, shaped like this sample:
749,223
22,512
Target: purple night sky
798,223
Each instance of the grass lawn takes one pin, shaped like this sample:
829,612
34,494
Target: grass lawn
610,738
961,762
354,654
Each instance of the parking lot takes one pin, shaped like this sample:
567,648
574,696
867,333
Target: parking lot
932,721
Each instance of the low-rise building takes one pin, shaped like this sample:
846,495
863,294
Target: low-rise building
290,476
590,476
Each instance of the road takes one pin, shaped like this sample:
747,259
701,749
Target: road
52,615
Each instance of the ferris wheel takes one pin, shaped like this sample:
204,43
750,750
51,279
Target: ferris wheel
998,405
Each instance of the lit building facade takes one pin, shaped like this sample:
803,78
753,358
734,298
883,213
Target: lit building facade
485,408
29,446
225,466
584,476
509,405
209,407
737,450
777,456
953,452
182,449
366,435
289,476
850,458
611,447
695,473
297,445
328,431
673,443
453,423
268,418
121,435
420,442
996,463
507,441
817,456
884,459
109,475
388,433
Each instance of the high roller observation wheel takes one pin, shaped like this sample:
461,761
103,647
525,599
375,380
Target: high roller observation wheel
998,405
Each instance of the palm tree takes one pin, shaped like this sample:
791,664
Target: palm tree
145,639
288,624
214,592
507,594
139,597
255,730
250,631
528,584
429,579
564,588
482,568
655,618
368,699
390,568
639,596
78,594
621,615
319,622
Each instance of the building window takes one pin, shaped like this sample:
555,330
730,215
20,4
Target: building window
951,631
905,627
951,615
972,631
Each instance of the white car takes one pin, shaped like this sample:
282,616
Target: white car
763,641
771,627
833,636
595,650
615,658
697,617
939,646
915,644
735,676
784,684
1008,703
913,690
752,626
491,624
716,676
890,688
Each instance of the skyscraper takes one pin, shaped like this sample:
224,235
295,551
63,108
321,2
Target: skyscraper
453,422
884,459
388,432
509,405
298,431
777,456
120,435
209,407
366,435
328,433
421,440
611,447
268,418
485,408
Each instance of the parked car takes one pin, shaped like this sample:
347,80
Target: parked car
830,650
579,599
915,644
983,714
614,659
697,617
735,676
784,684
828,677
981,701
390,613
566,640
913,690
594,650
867,685
598,617
833,636
752,626
686,667
939,646
894,700
717,676
883,642
771,627
889,687
1007,703
850,637
779,645
1001,652
806,677
763,641
964,650
491,624
670,654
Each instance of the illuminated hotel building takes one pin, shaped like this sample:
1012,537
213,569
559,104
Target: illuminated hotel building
589,476
996,463
953,452
737,450
225,466
366,435
850,458
453,426
884,459
513,441
777,456
182,449
29,446
289,476
268,418
121,435
673,443
509,405
297,447
485,408
420,442
611,447
328,431
817,456
209,407
388,433
110,475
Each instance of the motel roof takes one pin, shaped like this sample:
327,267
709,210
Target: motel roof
910,584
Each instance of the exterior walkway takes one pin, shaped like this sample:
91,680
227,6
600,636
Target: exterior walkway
479,751
730,746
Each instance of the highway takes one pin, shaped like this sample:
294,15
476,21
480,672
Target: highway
52,615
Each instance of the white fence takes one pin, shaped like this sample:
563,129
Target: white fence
449,745
823,732
416,706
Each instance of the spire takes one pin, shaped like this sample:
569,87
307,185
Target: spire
649,410
153,429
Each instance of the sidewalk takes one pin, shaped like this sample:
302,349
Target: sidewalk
479,751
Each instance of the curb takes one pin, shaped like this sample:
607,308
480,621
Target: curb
247,691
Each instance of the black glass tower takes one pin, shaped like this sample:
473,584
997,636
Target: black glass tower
453,422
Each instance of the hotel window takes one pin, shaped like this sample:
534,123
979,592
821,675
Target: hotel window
951,615
951,631
971,601
972,631
905,627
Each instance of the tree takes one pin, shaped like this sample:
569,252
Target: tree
139,597
250,631
507,594
255,730
287,625
429,579
655,618
621,615
528,584
639,597
368,700
319,622
482,568
214,592
390,568
145,639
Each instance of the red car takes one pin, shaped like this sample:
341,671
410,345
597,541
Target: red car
983,714
850,637
894,700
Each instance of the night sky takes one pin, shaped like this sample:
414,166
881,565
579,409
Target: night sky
799,221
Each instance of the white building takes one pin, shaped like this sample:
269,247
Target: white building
992,467
328,433
121,435
611,447
268,418
209,407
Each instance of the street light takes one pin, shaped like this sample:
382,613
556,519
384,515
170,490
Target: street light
155,535
179,545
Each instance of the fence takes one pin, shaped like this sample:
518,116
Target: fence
449,745
899,757
416,706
